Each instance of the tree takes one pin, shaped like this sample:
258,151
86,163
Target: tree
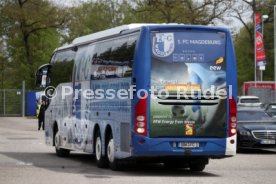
244,57
182,11
28,26
30,17
244,41
88,18
242,8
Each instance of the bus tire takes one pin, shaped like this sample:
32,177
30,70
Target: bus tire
100,158
238,148
174,164
114,163
197,167
60,152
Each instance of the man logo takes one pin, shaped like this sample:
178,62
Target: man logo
163,44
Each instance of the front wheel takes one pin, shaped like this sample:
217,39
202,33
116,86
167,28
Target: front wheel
60,151
114,163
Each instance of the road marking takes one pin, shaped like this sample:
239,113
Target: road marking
24,163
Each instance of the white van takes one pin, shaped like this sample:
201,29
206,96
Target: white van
249,101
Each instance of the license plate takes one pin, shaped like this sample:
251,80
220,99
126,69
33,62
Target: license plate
267,141
188,144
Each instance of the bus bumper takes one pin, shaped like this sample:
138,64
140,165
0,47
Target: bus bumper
172,147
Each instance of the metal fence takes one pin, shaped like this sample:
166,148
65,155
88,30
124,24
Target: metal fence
11,102
266,95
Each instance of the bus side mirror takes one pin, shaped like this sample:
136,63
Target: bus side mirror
42,76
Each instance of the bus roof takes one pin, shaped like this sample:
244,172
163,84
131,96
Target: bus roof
106,33
119,29
101,34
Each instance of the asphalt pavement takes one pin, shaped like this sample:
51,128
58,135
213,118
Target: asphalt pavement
25,159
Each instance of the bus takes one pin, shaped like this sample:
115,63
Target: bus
162,93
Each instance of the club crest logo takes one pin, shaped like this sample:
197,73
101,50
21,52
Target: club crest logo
163,44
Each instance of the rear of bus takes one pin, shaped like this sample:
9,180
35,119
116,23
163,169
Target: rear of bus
189,73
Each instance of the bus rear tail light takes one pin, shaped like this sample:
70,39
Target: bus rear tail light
232,117
140,117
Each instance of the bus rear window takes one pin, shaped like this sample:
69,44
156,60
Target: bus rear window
188,58
193,63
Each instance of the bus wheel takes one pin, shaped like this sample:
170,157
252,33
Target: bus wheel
60,151
174,164
197,167
238,148
114,163
101,160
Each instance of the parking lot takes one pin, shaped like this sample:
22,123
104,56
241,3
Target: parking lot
24,158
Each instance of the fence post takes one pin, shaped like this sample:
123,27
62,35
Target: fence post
4,102
23,98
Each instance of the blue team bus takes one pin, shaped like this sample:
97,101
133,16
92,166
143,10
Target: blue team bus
156,92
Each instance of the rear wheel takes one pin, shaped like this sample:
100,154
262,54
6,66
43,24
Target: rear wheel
100,158
114,163
198,164
60,151
174,164
198,167
238,144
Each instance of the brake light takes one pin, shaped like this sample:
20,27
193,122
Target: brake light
140,117
232,117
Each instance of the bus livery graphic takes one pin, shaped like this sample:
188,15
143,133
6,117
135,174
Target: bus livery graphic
192,65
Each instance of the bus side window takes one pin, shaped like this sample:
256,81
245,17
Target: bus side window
118,55
113,58
80,58
62,67
86,63
131,44
100,60
54,58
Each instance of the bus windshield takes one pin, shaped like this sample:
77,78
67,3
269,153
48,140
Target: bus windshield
188,65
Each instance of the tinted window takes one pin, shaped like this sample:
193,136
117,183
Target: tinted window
62,67
186,57
192,62
251,115
113,58
82,69
272,108
64,56
252,100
